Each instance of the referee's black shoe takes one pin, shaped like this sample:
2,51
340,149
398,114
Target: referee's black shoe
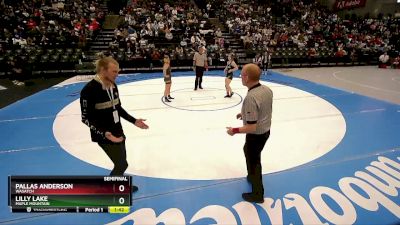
253,197
134,188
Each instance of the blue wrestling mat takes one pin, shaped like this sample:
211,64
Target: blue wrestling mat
356,181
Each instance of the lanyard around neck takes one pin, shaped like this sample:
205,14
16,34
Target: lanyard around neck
110,94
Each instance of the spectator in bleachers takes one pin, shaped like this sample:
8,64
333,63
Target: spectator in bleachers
183,42
340,54
19,41
312,55
157,17
299,25
218,33
155,55
305,24
202,42
130,49
258,60
221,42
179,50
384,60
94,25
247,40
168,34
396,62
194,40
49,22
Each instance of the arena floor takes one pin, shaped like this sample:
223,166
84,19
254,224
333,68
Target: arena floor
332,157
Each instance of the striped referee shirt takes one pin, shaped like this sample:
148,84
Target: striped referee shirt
257,108
200,59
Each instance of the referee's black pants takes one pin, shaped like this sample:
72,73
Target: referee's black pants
252,150
199,76
117,153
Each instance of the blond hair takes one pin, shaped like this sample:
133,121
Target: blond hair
103,62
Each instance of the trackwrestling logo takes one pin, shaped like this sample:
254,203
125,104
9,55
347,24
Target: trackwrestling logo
367,190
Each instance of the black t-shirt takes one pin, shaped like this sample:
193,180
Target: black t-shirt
97,111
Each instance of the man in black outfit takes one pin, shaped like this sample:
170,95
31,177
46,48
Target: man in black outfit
101,111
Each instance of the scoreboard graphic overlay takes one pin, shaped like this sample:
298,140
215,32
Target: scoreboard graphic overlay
332,158
69,194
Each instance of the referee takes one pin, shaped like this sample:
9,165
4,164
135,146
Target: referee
199,65
101,111
256,115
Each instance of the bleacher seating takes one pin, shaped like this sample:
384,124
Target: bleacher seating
288,29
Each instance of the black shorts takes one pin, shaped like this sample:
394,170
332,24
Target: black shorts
229,76
167,80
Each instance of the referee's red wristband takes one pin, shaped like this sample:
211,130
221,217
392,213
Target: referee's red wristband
235,130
